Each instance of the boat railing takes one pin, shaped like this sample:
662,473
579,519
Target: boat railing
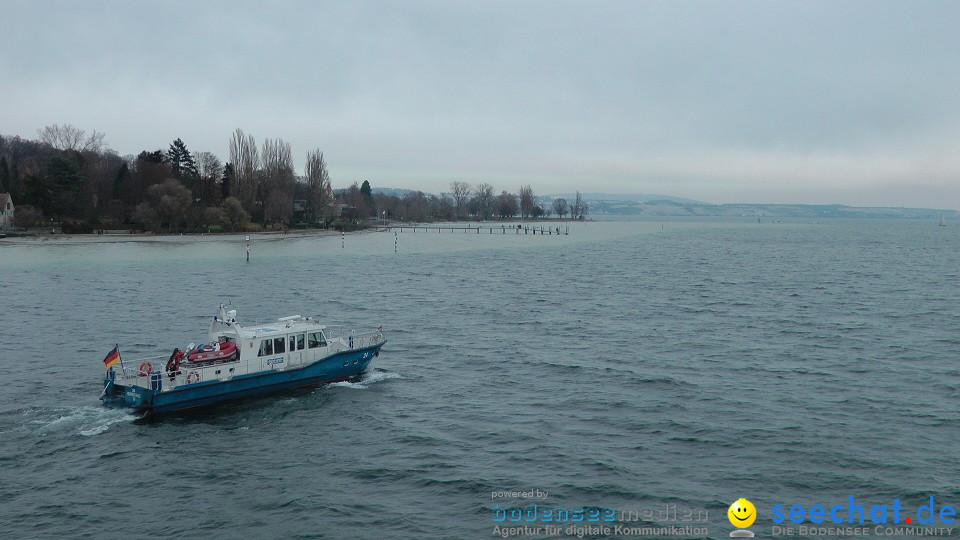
140,368
343,338
145,371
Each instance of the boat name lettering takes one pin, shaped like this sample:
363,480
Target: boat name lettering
274,361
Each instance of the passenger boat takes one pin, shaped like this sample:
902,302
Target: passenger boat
242,361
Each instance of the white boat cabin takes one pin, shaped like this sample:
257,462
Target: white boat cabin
290,342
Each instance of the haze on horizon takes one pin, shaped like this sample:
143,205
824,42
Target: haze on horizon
768,102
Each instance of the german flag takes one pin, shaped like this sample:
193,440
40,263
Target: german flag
113,357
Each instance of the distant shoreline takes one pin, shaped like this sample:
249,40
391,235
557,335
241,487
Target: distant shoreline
153,237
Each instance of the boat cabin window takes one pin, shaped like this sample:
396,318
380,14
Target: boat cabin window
300,342
266,347
278,345
315,339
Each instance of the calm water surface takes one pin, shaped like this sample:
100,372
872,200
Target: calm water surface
630,365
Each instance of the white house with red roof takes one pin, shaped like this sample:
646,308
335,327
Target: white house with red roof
6,211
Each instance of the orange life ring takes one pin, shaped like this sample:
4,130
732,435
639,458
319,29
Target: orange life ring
193,377
146,368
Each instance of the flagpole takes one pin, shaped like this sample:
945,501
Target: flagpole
120,356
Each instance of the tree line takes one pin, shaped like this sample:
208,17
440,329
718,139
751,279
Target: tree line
70,177
463,201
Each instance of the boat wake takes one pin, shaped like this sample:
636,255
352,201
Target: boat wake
86,421
368,379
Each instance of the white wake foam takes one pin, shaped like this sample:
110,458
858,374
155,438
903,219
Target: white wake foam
86,421
368,379
348,384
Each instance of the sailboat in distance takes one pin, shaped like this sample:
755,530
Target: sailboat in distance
942,224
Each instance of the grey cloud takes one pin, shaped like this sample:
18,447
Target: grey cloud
711,100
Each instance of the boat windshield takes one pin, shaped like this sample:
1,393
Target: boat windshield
315,339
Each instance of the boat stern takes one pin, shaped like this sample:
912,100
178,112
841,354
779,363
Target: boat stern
124,397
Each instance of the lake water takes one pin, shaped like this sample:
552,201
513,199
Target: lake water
630,365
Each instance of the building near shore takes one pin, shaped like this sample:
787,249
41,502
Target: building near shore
6,211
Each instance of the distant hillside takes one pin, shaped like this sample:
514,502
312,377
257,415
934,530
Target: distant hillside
619,197
391,192
669,208
638,204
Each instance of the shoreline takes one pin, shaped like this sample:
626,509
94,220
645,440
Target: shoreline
22,237
61,238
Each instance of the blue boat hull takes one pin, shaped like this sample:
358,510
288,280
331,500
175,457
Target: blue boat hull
338,367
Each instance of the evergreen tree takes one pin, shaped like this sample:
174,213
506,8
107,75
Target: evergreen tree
123,173
65,179
148,169
227,180
37,192
367,196
4,176
151,157
56,193
16,182
181,162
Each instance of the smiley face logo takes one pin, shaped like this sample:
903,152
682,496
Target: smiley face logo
742,513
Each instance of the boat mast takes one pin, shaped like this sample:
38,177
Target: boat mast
228,319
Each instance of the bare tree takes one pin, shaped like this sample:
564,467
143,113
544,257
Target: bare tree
210,172
414,206
444,208
146,215
245,161
482,203
560,206
277,177
355,198
69,137
101,169
576,209
320,193
527,201
208,165
460,192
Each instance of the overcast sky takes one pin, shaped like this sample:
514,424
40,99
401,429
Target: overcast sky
809,102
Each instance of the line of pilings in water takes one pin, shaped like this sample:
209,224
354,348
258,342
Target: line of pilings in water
468,229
